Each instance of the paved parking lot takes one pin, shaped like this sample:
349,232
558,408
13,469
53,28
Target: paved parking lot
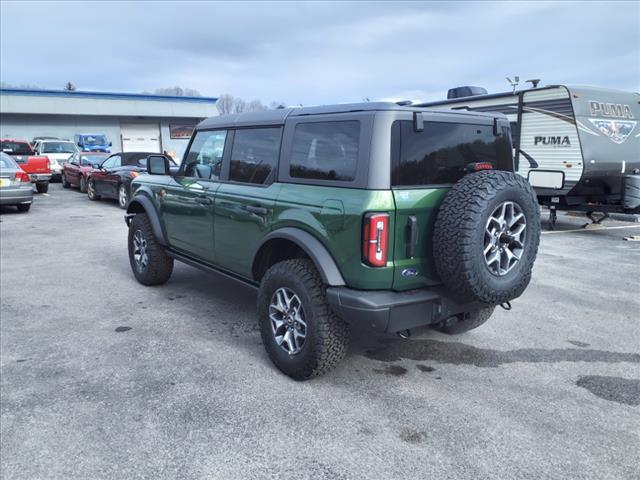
104,378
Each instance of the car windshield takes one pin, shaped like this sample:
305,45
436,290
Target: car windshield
92,159
6,161
16,148
58,147
94,140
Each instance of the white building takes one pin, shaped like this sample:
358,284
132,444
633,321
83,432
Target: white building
131,122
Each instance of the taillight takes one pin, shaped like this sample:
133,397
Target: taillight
134,174
23,177
375,239
476,167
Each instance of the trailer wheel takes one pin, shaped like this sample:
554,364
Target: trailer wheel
486,237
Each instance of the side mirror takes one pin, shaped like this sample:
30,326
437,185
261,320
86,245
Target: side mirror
79,144
110,144
157,165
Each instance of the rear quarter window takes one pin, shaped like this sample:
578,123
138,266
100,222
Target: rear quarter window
441,152
325,150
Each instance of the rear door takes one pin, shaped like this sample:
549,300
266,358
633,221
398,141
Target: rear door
425,164
244,203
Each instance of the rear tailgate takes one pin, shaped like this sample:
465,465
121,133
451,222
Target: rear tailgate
416,210
33,164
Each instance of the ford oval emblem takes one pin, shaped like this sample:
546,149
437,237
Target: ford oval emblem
410,272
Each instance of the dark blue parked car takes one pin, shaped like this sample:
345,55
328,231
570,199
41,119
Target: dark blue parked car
92,142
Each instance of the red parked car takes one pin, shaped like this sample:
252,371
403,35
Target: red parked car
38,167
76,171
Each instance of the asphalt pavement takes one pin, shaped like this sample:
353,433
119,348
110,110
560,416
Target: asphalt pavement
104,378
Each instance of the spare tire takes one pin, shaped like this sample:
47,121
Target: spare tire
486,237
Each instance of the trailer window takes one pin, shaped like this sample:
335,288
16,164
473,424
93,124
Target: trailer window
441,152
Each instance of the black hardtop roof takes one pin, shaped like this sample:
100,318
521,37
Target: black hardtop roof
278,117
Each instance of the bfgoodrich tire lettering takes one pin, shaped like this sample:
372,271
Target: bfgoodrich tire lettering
327,336
459,236
150,263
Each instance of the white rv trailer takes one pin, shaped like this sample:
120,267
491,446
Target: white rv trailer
578,146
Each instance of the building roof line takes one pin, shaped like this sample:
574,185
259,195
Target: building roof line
104,95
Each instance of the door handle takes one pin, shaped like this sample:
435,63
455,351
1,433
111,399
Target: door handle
411,236
203,200
257,210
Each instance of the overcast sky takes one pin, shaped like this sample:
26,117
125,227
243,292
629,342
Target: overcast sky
323,52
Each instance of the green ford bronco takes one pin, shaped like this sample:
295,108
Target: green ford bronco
345,218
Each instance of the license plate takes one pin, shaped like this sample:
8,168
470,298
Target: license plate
5,182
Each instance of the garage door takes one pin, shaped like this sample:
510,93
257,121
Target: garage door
140,137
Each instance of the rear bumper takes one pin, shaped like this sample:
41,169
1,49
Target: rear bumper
40,177
16,195
389,311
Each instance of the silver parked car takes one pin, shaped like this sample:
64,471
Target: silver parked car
15,184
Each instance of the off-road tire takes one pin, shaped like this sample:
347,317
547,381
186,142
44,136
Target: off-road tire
160,265
63,179
82,184
327,338
464,322
459,236
42,187
23,207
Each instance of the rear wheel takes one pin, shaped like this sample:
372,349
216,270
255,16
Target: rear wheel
91,190
23,207
464,322
83,185
42,187
301,334
123,196
149,261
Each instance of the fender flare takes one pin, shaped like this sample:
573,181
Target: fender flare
318,253
152,214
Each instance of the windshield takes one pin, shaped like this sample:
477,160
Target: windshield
94,140
6,161
91,160
16,148
58,147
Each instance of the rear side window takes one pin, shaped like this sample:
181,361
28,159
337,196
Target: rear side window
254,154
441,152
325,150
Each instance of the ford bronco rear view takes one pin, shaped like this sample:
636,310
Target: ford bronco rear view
346,218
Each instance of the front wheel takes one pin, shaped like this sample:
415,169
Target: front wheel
301,334
65,183
91,191
42,187
150,263
123,196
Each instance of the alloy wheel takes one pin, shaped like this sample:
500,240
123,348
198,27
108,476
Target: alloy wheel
504,238
288,321
122,196
140,253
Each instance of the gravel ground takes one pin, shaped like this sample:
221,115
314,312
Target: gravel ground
104,378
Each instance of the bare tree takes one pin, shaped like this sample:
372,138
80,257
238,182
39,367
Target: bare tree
69,87
177,92
225,104
239,105
256,106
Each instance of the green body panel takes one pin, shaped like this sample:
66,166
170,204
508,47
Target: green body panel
238,232
189,225
334,216
422,203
